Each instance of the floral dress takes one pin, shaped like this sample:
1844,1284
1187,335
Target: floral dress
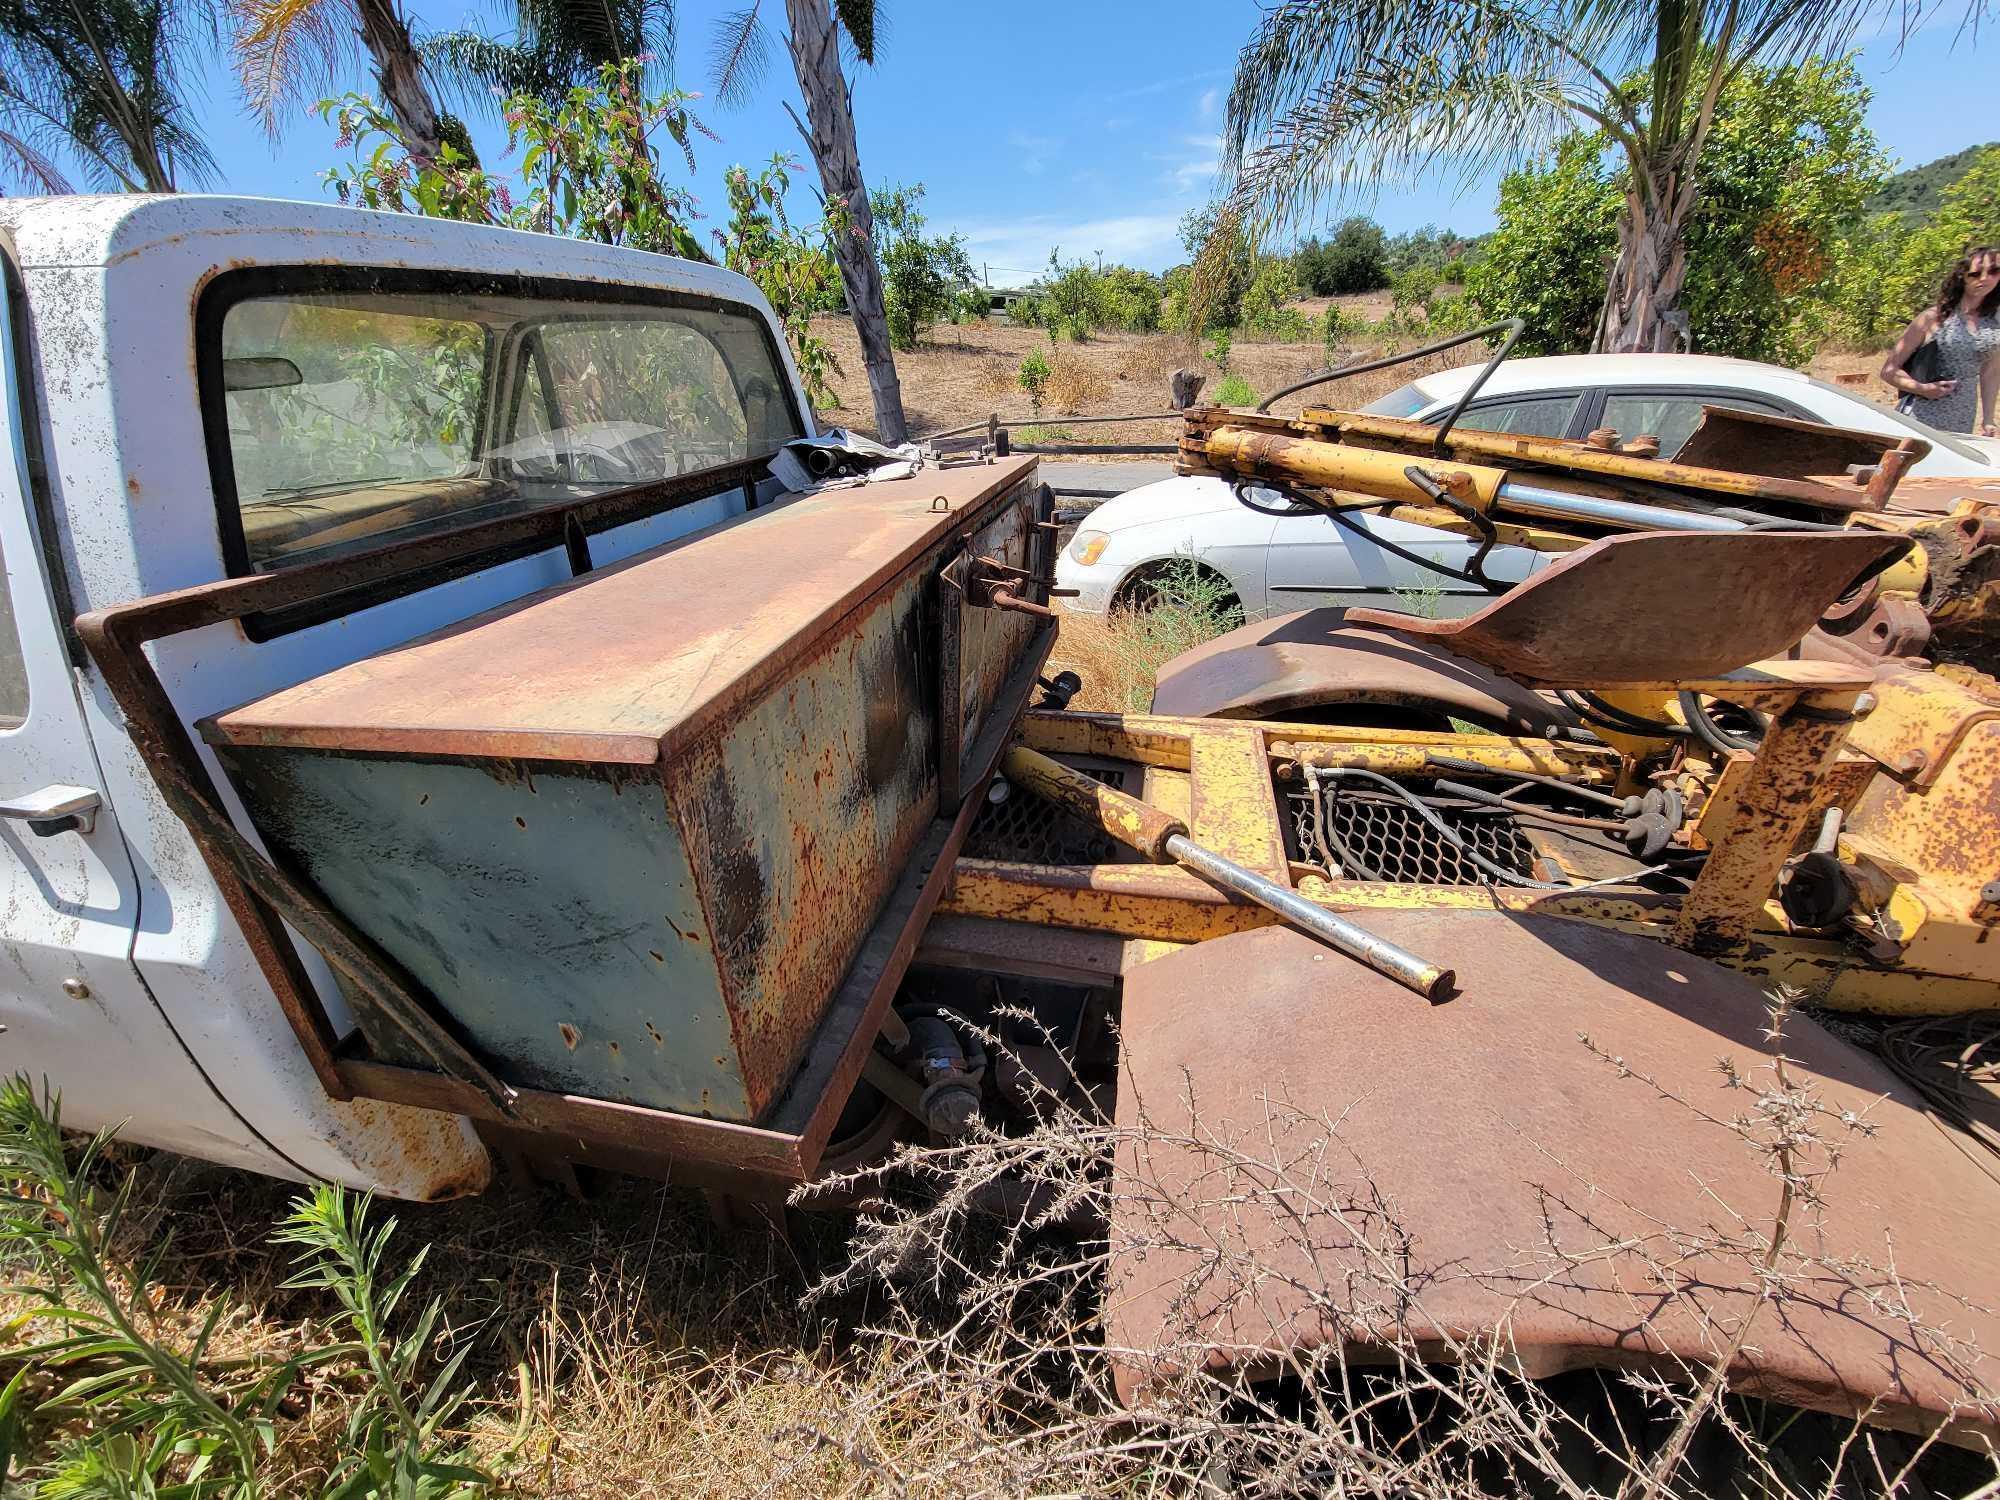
1962,350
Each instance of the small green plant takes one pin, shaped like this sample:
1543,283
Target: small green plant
1034,378
1034,434
1235,391
1217,349
136,1412
1179,604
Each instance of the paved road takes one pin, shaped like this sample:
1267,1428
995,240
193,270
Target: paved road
1081,479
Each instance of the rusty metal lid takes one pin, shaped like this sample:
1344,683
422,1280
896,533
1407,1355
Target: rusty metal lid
1390,1170
619,665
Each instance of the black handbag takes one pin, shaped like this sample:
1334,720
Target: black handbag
1926,361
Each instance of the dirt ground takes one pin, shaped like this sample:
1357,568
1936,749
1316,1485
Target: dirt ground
962,374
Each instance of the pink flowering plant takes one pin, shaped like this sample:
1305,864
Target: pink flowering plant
793,267
590,160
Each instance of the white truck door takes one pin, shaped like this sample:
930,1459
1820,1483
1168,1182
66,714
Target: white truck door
73,1008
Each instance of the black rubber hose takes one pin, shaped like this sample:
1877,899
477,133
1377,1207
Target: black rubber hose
1499,872
1338,515
1474,768
1708,731
1611,716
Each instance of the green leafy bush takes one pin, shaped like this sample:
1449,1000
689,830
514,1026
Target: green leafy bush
1034,377
1234,391
922,275
1130,300
1264,301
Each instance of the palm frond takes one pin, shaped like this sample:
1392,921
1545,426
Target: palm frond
284,48
1333,99
739,56
23,161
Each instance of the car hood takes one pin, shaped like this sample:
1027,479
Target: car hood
1174,499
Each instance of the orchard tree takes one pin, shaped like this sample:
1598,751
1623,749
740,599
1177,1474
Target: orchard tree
1787,168
1334,95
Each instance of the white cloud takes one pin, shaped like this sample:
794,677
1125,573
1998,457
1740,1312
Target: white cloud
1210,100
1033,149
1023,244
1162,85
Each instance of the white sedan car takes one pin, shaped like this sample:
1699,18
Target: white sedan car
1276,564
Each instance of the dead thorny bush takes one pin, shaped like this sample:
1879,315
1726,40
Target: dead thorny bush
999,1378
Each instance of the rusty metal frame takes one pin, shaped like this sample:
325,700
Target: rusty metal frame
263,897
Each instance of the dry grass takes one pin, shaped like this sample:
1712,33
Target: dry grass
1118,654
1076,386
929,1350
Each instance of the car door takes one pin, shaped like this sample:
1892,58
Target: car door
72,1005
1315,561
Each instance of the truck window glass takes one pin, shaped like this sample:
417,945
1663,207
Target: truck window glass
356,418
13,665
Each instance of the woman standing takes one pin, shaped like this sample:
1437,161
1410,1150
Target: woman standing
1965,325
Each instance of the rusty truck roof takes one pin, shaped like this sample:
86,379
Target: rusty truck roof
623,663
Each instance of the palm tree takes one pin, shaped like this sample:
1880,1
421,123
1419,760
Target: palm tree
288,48
557,44
100,79
1331,95
815,41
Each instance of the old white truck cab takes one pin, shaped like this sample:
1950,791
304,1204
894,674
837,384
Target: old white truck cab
202,388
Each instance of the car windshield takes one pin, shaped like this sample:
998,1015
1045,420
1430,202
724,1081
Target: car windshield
1404,401
1930,434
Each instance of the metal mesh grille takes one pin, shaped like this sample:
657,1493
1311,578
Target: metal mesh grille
1026,829
1385,835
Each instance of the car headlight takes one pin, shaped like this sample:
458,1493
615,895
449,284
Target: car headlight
1087,546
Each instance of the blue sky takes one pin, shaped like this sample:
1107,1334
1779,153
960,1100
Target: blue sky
1089,127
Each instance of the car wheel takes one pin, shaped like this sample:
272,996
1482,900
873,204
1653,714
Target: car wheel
1180,583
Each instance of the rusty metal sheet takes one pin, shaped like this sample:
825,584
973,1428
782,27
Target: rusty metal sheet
1658,605
1524,1189
649,652
1314,659
1754,442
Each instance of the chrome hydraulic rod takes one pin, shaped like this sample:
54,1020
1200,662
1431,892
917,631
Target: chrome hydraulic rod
1164,839
1537,500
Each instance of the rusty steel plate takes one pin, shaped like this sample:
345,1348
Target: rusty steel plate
1474,1171
649,651
1314,659
1656,606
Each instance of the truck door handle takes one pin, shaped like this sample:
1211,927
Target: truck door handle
55,809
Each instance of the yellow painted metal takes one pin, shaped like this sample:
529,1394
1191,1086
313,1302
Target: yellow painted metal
1754,833
1919,718
1922,847
1339,466
1126,819
1573,459
1539,757
1232,806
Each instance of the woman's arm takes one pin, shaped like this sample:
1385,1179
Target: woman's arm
1989,395
1892,371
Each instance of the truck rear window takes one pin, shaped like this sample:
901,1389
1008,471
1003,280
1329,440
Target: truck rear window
354,418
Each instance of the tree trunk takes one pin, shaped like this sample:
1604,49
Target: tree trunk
399,73
1641,305
816,59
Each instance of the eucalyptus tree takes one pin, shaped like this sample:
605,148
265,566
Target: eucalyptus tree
103,81
289,49
816,36
1331,96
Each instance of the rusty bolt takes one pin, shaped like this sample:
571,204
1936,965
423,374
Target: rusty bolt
1913,762
1864,705
76,989
1987,907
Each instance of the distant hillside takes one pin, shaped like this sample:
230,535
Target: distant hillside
1915,193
